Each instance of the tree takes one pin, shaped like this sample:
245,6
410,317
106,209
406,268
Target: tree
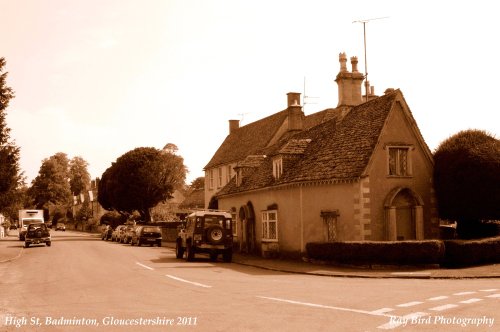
79,177
467,181
139,180
11,177
51,186
198,183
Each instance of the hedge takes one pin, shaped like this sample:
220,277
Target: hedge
377,252
448,253
460,253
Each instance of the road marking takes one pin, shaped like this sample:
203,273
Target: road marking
437,298
493,296
444,307
464,293
411,273
471,301
409,304
187,281
381,311
314,305
398,321
488,290
144,266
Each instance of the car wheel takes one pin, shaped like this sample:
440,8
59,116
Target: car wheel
215,234
189,253
26,245
48,243
158,243
179,250
227,256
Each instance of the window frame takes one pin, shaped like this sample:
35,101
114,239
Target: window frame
277,167
398,161
266,221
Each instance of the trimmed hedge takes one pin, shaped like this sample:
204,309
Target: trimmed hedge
378,252
448,253
460,253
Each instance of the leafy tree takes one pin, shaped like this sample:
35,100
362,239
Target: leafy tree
467,181
11,177
140,179
79,177
198,183
51,186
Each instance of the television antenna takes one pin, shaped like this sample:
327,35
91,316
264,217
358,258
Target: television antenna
367,84
305,97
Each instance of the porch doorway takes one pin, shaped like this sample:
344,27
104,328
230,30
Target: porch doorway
404,215
247,222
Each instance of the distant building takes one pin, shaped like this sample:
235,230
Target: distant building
360,171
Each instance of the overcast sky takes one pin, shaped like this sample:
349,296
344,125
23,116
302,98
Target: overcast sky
98,78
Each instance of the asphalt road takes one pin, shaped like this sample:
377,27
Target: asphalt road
81,283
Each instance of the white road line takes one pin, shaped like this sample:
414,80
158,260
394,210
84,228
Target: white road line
187,281
493,295
398,321
464,293
488,290
381,311
471,301
409,304
437,298
144,266
314,305
444,307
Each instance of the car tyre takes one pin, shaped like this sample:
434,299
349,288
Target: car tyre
48,243
26,245
215,234
179,250
227,256
189,253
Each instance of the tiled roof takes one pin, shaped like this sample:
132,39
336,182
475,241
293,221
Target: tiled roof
195,199
339,148
247,140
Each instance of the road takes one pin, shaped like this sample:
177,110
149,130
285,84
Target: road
81,283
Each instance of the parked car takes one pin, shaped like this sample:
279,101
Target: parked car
126,233
208,231
37,233
106,233
61,227
115,235
146,235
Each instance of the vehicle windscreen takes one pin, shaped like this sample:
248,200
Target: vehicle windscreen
217,221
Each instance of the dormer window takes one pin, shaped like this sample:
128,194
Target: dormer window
277,167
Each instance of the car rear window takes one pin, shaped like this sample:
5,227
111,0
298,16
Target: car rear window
151,229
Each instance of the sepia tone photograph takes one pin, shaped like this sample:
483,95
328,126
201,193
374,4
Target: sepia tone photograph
230,165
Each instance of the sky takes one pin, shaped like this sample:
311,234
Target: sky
98,78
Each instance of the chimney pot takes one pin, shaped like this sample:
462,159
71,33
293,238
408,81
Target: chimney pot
343,61
293,99
354,63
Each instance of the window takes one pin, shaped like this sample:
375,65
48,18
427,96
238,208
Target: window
270,225
277,167
228,174
211,179
219,178
399,163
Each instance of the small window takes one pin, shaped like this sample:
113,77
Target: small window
211,179
399,161
277,167
270,225
228,174
219,178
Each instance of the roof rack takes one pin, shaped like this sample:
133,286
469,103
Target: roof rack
209,210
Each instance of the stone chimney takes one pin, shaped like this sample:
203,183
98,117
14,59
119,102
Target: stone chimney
349,83
233,125
295,113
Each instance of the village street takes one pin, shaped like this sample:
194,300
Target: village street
81,283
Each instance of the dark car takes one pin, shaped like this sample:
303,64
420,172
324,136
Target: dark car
106,233
37,234
126,233
209,232
146,235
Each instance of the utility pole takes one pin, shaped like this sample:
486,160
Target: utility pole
305,97
367,84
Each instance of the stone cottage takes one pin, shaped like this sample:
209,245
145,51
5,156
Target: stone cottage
360,171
